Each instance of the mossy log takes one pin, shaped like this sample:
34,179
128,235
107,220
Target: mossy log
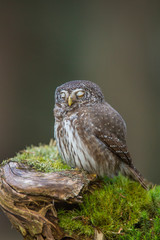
28,198
46,199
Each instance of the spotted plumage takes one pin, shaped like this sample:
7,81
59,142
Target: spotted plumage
90,134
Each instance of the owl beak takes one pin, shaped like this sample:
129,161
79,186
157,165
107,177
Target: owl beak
70,101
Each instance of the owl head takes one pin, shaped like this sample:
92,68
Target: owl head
78,93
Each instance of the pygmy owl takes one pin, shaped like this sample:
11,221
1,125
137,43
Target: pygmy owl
90,134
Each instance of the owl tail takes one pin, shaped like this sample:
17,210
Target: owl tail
135,175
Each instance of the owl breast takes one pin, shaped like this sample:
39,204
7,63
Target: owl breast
71,146
83,150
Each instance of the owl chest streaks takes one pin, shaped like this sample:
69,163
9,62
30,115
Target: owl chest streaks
71,144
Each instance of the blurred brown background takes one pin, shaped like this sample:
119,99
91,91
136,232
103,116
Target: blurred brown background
113,43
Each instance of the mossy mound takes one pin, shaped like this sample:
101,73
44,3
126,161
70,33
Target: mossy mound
120,208
44,158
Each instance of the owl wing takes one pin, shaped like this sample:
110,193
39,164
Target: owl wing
110,129
117,147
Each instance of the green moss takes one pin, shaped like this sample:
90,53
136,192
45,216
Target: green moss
120,208
44,158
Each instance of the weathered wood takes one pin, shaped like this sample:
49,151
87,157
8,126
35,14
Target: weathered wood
27,197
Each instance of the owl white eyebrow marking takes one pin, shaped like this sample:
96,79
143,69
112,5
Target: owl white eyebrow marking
63,91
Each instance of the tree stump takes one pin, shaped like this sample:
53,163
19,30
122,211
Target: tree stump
47,200
29,198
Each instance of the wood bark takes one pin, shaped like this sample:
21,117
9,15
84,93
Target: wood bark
30,199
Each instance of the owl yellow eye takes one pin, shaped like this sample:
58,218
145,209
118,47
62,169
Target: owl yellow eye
80,94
